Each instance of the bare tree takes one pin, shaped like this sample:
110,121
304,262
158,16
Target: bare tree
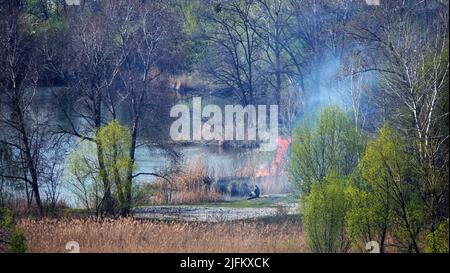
18,81
94,65
318,43
144,81
121,71
234,58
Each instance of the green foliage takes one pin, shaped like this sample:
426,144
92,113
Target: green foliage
18,242
11,235
83,170
390,200
333,145
324,212
385,163
190,10
379,199
41,16
6,218
81,175
115,140
192,27
438,241
368,219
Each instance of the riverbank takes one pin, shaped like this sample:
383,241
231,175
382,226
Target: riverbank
241,209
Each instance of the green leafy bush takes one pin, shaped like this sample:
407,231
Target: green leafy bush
12,239
438,241
18,242
333,144
324,212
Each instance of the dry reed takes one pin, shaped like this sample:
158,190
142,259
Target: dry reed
191,186
130,235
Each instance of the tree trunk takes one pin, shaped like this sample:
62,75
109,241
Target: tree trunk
107,203
126,209
30,163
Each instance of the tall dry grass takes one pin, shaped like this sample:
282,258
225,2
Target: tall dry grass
129,235
192,185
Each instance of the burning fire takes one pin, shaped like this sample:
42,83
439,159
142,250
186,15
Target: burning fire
273,170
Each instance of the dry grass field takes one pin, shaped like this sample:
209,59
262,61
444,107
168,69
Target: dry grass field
130,235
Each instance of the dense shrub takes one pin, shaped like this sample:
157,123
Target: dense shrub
324,212
191,185
12,238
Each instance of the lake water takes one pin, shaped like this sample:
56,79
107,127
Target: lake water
220,162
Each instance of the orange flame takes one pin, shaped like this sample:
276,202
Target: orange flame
283,146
